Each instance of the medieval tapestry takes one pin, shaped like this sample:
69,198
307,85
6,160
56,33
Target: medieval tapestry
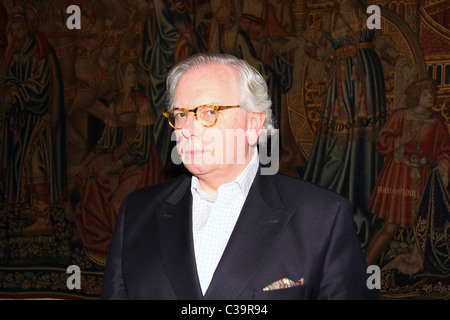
360,97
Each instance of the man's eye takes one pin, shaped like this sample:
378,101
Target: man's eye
179,115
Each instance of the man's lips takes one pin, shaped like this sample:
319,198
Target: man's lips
195,152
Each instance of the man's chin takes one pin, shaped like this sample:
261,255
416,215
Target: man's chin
198,169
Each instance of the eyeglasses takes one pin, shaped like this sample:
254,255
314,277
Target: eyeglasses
206,114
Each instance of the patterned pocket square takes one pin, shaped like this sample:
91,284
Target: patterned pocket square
284,284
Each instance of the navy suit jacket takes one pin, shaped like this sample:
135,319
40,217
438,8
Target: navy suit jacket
287,228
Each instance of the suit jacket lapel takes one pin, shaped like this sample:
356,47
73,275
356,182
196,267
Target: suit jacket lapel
262,219
177,249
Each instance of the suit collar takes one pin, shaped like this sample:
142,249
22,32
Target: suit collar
261,221
184,182
177,248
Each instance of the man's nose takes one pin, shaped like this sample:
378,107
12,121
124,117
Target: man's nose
192,127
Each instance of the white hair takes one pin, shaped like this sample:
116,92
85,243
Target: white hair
254,92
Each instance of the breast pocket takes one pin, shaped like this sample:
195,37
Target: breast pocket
294,293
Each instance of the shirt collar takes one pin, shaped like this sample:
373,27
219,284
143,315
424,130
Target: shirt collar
243,181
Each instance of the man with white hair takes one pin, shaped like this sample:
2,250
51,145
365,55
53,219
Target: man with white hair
227,230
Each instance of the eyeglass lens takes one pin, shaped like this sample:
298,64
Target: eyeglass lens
205,115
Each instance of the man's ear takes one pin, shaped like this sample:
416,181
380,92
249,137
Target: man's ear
255,122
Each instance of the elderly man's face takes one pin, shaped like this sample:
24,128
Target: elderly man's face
223,148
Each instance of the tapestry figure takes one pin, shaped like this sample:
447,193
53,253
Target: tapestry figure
344,157
124,159
414,143
32,121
